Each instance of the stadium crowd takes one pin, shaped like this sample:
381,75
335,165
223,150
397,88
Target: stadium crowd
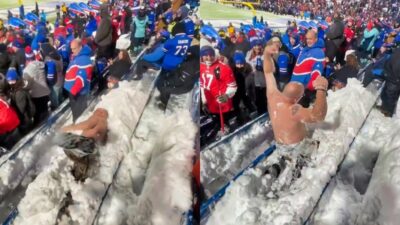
89,48
232,75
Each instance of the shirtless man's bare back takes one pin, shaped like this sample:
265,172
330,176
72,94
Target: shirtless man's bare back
287,117
94,127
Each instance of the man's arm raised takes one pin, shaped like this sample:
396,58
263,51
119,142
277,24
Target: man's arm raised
269,68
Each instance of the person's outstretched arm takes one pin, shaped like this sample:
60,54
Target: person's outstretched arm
269,68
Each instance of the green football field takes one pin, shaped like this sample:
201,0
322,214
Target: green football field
214,11
6,4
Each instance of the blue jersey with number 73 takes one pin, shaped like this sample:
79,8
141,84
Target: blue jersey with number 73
175,51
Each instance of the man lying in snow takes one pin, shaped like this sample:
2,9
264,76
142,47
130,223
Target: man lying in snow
289,118
78,147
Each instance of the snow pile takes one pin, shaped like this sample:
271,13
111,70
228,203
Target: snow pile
158,168
247,201
124,107
341,202
381,202
220,163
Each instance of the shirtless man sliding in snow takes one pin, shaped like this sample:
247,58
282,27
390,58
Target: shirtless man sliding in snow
287,117
78,147
94,127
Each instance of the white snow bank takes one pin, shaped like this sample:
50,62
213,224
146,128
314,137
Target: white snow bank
222,162
246,201
158,167
125,106
381,202
341,203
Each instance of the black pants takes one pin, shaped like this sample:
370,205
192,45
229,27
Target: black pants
240,96
78,105
8,140
142,66
41,109
105,52
167,87
390,95
331,50
261,99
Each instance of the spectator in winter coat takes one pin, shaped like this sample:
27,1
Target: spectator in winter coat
294,45
18,60
231,30
4,59
369,37
9,122
126,21
119,68
78,77
63,50
176,48
139,25
103,36
182,79
91,26
242,43
391,90
310,63
217,84
283,61
349,70
21,101
255,83
35,76
241,70
54,73
154,56
334,39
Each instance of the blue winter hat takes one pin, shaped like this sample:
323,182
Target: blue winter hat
207,50
255,41
239,58
12,74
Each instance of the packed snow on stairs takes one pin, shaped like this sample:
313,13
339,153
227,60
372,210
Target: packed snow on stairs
153,185
363,180
45,194
246,201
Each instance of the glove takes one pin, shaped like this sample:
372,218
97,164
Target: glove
222,98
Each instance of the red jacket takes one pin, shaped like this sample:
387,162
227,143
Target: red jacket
8,118
214,87
348,34
60,31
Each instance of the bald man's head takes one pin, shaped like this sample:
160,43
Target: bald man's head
311,37
76,46
294,91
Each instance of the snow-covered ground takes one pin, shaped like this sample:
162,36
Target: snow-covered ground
341,202
220,163
153,183
367,188
248,201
